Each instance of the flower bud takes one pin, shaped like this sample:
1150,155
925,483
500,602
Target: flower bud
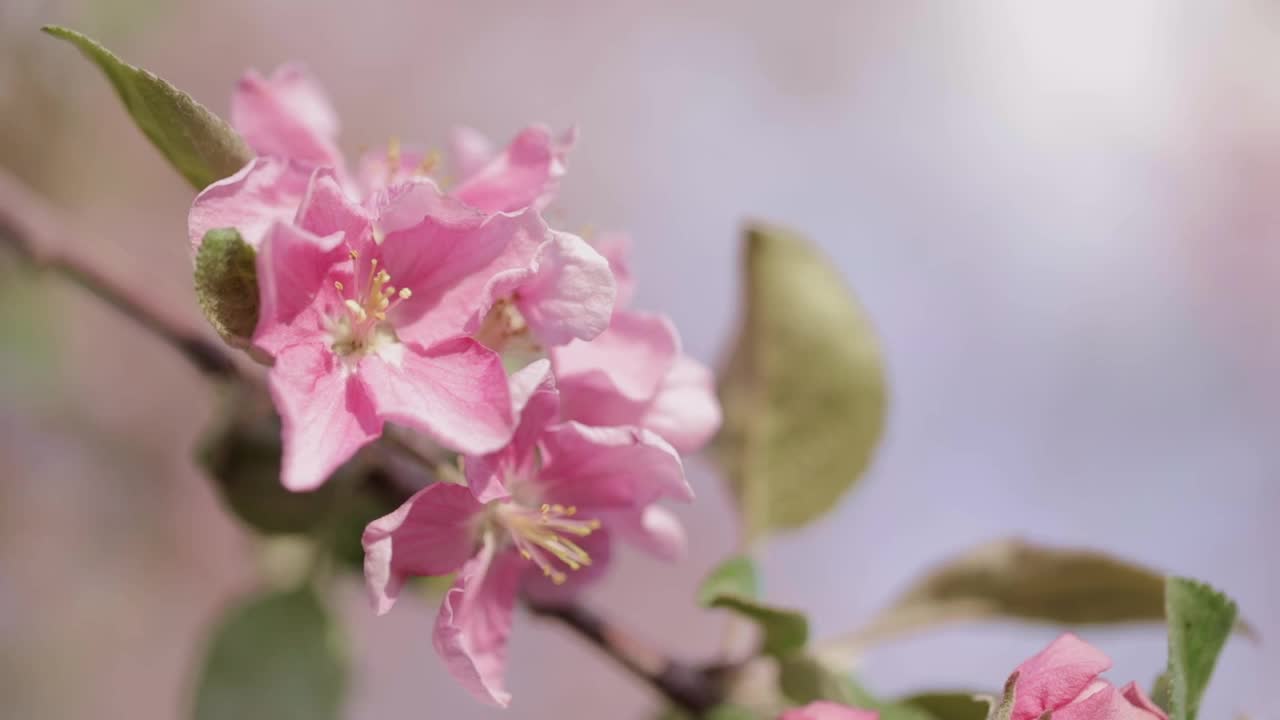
226,282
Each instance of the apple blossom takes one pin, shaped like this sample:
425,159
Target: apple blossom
365,312
538,516
1062,680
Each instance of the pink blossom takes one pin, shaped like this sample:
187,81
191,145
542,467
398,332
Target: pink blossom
560,289
538,517
823,710
287,115
366,311
635,373
1063,680
526,173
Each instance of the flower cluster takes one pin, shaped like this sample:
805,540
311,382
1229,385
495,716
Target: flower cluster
460,314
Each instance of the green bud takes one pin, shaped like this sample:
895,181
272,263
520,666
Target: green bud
226,281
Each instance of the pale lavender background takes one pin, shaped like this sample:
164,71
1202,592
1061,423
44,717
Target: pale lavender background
1062,217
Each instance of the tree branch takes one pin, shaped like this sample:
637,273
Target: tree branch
695,689
29,225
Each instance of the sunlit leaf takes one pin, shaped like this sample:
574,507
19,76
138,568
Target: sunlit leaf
198,143
275,656
1200,621
804,389
1014,579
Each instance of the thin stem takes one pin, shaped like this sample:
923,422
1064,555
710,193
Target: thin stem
689,687
30,226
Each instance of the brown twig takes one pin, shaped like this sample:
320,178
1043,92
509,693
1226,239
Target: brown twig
693,688
30,225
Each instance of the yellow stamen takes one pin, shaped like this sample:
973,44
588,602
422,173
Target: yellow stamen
364,323
393,158
545,534
429,163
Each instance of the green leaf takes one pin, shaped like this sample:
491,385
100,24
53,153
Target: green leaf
949,705
785,631
1200,621
1162,691
804,390
731,712
198,143
735,576
1003,710
1016,579
719,712
226,282
734,586
242,452
804,679
275,656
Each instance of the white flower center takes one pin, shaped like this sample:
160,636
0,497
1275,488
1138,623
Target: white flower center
361,326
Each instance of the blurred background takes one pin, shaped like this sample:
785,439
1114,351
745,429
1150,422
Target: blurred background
1062,216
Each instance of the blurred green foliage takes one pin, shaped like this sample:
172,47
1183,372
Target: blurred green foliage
804,391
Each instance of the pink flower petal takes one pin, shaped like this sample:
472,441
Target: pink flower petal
293,292
475,621
610,468
823,710
530,380
525,174
455,392
684,411
631,358
447,255
1106,704
263,192
326,418
286,115
537,407
615,247
432,533
654,529
1055,676
469,151
375,171
326,210
565,293
1139,699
